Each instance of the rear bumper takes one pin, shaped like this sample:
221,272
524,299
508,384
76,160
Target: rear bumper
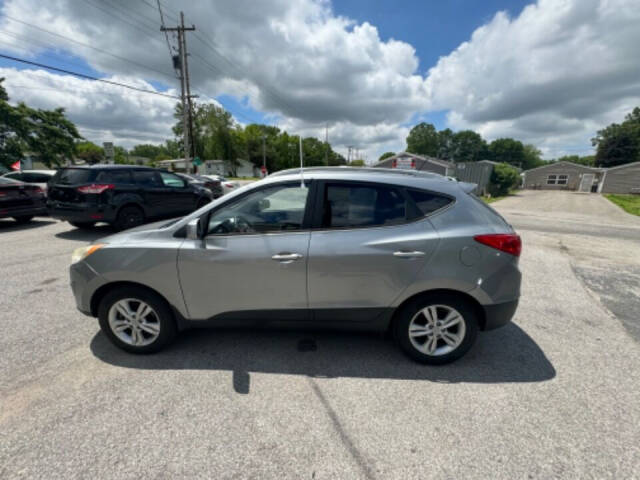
83,212
499,314
24,211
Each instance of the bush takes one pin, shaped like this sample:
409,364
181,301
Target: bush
503,179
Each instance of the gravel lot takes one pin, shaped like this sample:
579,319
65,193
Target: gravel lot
553,395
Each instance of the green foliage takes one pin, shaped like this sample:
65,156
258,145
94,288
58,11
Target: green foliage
618,144
423,140
532,157
89,152
629,203
147,150
386,155
468,146
588,160
357,163
503,178
507,150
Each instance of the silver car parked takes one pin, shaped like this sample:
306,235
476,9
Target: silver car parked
407,252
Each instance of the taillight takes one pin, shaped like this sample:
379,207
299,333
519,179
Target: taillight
96,188
505,242
229,185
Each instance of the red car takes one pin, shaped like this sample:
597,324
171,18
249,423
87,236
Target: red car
22,201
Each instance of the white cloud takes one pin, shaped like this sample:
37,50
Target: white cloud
552,76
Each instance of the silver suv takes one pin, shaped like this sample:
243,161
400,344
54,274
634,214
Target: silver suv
410,253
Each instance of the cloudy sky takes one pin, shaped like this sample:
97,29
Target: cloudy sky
549,73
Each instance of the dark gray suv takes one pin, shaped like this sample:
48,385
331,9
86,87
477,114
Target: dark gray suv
407,252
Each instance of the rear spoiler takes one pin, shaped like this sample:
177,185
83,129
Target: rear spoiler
467,187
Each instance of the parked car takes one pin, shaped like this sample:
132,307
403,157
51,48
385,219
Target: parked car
367,249
121,195
38,177
210,183
228,186
21,201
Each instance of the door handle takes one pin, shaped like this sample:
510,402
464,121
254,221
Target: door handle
406,254
286,257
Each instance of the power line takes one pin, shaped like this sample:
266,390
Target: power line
88,77
105,52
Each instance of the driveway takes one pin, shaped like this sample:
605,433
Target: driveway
601,240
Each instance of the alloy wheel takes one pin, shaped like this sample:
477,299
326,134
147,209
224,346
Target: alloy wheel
134,322
437,330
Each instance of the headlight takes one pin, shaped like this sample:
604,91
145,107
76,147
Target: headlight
83,252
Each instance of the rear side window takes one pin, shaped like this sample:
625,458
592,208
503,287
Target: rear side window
36,177
428,202
361,205
15,176
74,176
114,176
146,178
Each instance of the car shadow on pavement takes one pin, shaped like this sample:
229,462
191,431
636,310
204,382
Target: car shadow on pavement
9,225
88,234
501,356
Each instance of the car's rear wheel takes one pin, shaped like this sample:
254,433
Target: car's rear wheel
136,320
436,329
23,218
83,225
129,217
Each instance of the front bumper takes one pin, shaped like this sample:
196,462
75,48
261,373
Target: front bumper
499,314
83,280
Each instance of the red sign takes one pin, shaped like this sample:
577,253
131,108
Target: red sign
15,166
263,169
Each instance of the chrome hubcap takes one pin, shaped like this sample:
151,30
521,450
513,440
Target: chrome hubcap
134,322
437,330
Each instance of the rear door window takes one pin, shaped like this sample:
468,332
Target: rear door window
171,180
356,205
117,177
146,178
15,176
36,177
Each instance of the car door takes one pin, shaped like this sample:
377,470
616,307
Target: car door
368,245
180,195
252,263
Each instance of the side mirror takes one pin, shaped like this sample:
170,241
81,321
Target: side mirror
195,230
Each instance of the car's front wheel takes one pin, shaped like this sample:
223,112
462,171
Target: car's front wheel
23,218
136,320
436,329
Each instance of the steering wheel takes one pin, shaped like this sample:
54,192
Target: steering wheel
235,224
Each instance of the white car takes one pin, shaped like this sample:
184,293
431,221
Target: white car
227,185
36,177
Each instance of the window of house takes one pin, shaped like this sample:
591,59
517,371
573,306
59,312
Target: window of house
557,179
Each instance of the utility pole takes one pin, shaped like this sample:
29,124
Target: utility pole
185,90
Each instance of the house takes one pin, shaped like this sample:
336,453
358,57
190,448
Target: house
411,161
563,176
621,179
476,172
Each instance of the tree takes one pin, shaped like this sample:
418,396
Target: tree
446,149
89,152
468,146
618,144
423,140
503,178
507,150
51,136
358,162
147,150
532,157
386,155
12,127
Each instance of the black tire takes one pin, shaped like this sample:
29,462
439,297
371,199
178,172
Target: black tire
23,218
161,311
443,304
128,217
83,225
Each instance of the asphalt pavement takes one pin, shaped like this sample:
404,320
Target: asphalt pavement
553,395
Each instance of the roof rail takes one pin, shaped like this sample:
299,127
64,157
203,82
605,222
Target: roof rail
395,171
